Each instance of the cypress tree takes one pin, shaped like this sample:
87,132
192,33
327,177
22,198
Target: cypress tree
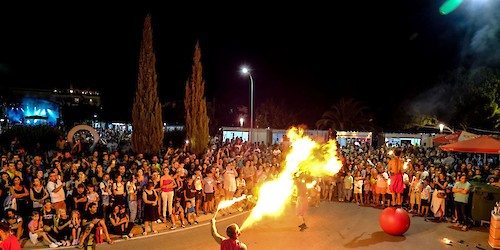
196,106
147,134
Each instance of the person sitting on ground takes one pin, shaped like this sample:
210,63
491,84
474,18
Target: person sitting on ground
16,223
233,232
177,214
120,222
191,213
90,221
35,227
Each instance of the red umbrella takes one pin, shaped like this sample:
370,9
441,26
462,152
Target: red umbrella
451,138
482,144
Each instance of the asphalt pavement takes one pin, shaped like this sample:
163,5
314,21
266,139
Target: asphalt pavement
332,225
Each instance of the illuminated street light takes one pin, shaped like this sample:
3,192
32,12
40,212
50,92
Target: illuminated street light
246,71
442,126
241,121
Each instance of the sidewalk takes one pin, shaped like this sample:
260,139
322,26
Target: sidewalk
137,230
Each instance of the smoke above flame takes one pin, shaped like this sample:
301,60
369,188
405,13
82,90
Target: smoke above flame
305,155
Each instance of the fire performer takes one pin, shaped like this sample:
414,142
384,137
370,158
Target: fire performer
232,242
302,204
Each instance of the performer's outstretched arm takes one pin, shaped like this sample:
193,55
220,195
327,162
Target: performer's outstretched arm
219,238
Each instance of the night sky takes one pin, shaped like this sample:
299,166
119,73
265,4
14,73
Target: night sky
380,53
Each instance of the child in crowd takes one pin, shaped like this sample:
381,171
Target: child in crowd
425,197
358,188
348,185
177,214
35,227
76,227
61,227
92,196
191,213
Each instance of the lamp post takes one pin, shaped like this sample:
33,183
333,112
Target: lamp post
246,71
241,121
442,126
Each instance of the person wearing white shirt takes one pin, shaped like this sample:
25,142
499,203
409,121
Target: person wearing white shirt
55,187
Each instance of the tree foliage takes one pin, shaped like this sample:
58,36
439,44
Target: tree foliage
196,106
275,115
147,135
347,114
466,99
476,99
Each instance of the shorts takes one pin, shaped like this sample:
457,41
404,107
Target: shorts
33,237
348,192
209,197
424,202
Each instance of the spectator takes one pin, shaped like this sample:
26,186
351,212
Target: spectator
9,241
62,226
91,220
15,222
177,215
425,198
38,194
35,227
21,194
56,191
461,192
120,223
76,227
167,184
92,196
132,197
191,213
150,199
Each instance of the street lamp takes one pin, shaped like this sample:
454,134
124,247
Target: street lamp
442,126
241,121
246,71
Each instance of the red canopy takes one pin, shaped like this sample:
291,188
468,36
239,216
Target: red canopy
483,144
455,137
451,138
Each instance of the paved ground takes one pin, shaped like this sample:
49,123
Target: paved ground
332,225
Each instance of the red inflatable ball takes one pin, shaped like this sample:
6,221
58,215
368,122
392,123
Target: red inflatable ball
394,221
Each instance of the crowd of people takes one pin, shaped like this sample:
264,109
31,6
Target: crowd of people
64,196
426,182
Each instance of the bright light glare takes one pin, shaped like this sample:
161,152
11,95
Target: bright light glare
244,70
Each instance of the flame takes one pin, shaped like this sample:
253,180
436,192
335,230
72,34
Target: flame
405,165
310,184
228,203
447,241
305,155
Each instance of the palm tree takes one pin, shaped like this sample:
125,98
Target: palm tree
347,114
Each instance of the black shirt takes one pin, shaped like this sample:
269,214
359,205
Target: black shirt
48,216
88,216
